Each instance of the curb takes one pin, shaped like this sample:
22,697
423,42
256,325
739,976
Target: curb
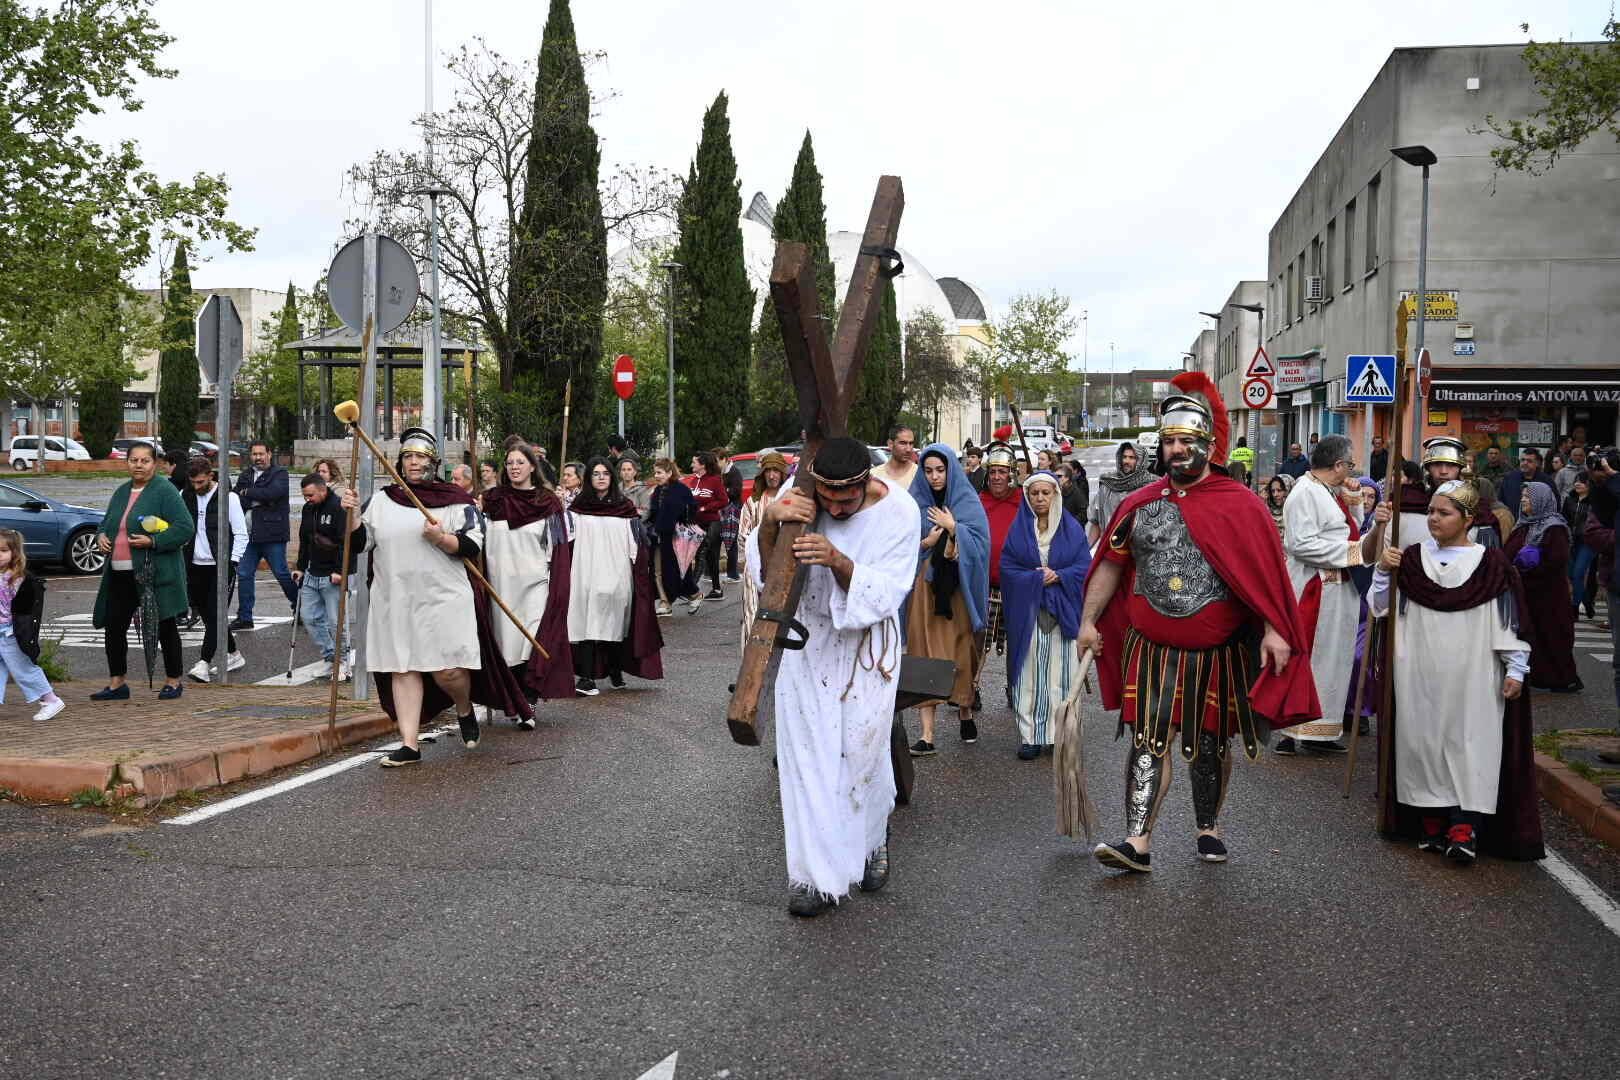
1580,799
149,782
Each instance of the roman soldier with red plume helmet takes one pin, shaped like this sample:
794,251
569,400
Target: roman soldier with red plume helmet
1195,628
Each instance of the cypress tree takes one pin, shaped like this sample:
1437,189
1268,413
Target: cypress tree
180,383
715,303
880,392
773,412
558,279
101,414
284,421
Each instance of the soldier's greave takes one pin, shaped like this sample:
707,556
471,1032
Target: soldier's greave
1146,778
1210,772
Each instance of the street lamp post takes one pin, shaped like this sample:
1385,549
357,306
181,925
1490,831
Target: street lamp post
670,269
1112,400
1085,374
1422,157
1260,310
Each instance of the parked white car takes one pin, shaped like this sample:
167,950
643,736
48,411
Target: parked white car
24,450
1039,437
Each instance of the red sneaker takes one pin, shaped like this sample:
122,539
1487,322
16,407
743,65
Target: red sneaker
1460,844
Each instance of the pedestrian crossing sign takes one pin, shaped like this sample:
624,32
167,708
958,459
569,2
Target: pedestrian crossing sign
1369,380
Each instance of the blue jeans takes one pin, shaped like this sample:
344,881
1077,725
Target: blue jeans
1578,566
318,607
17,666
276,556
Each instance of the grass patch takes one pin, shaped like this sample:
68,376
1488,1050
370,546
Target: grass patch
88,797
52,662
1557,744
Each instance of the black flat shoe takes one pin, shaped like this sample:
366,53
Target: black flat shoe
1028,751
922,748
402,756
806,902
169,693
1210,848
469,730
877,867
1286,746
1122,856
111,693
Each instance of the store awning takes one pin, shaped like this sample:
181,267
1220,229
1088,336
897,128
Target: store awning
1490,386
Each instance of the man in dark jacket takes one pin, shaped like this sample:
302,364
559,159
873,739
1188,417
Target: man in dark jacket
1296,464
263,491
202,500
1528,472
973,465
1378,466
320,559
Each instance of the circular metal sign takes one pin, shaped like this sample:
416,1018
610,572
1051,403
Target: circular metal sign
397,286
1257,394
624,376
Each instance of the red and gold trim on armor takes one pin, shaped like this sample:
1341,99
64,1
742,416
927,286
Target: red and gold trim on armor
1163,683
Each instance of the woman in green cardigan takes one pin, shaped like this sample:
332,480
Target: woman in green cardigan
131,535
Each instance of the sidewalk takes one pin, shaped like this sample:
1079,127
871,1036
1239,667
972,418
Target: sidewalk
147,750
1569,776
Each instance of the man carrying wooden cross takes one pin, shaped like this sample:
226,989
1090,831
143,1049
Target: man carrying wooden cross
835,697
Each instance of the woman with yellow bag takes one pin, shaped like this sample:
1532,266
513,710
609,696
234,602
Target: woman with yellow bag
144,534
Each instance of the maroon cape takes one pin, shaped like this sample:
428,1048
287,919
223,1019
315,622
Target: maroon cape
493,684
641,653
1235,533
1548,623
554,678
1514,831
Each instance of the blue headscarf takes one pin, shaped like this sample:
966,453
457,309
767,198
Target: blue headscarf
972,531
1024,591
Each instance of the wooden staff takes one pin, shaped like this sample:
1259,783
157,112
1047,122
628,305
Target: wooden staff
343,576
349,413
1386,705
1018,423
1361,678
568,403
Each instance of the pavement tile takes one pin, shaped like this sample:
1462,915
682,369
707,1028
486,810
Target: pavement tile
214,734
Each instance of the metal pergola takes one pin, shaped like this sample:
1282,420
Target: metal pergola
340,348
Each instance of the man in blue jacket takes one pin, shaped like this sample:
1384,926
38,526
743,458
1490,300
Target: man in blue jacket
263,491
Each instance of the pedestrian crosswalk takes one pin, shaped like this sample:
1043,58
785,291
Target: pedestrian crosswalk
1591,638
301,675
76,631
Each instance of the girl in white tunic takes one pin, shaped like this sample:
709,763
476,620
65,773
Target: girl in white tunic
525,537
603,582
1462,727
421,618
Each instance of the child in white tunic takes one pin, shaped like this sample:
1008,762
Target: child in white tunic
1449,734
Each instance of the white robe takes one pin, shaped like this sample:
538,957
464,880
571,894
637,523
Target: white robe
519,565
421,615
835,697
1449,668
1316,540
601,586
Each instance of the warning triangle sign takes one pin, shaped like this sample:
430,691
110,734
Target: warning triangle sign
1371,383
1261,364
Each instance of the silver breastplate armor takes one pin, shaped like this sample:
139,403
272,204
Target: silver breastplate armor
1171,573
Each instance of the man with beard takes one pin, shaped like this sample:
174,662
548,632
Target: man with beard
1131,473
1001,500
1189,580
835,697
429,639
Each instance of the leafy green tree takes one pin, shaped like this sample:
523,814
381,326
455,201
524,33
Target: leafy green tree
559,268
1581,85
268,379
801,215
1026,352
634,325
76,217
934,374
714,302
179,380
881,390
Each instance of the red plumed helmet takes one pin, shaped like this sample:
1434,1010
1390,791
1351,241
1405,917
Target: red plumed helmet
1196,382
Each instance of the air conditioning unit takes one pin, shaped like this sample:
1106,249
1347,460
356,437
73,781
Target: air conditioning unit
1315,289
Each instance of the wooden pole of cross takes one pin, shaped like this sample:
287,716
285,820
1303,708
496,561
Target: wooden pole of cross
824,378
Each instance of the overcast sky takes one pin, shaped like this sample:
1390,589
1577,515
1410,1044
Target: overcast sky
1127,155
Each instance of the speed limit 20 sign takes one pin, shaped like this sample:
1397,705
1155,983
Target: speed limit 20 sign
1257,394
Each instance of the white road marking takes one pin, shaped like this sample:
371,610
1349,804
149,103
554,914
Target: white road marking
248,798
1589,896
304,673
75,631
664,1070
1606,657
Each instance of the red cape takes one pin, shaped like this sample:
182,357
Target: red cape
1235,533
1002,513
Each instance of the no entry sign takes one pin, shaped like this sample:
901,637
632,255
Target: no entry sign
624,376
1257,393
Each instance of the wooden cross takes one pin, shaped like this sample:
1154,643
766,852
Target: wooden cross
824,377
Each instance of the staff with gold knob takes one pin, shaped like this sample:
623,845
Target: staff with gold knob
430,640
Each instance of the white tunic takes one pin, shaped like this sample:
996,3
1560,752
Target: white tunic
835,697
1449,668
519,566
601,586
421,616
1316,540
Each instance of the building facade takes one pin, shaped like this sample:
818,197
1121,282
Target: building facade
1522,272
